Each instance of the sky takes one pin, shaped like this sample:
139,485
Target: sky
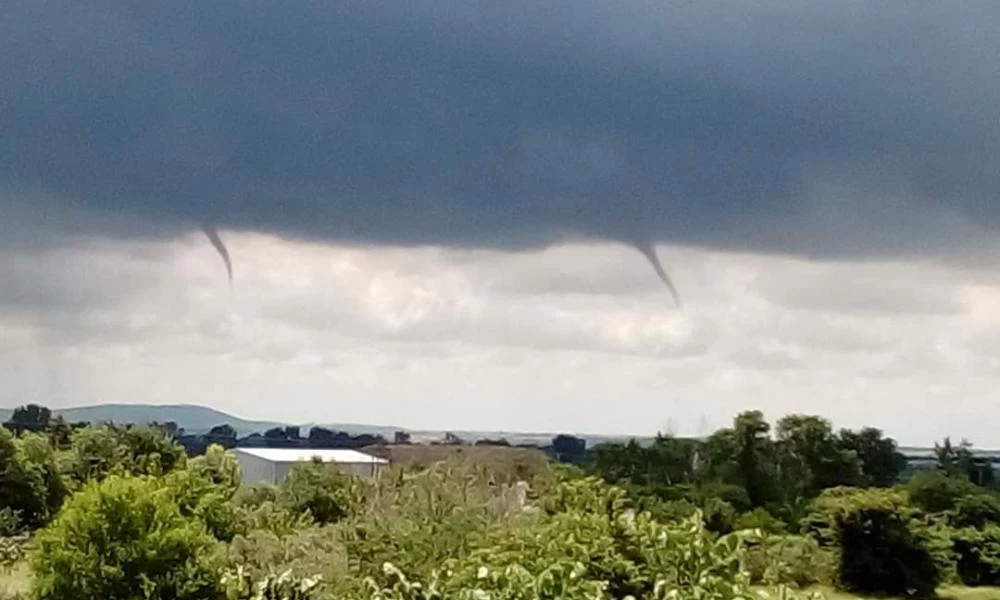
435,209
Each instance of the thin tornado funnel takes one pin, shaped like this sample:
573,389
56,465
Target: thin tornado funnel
213,236
649,251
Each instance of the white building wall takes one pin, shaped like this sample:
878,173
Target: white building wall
255,469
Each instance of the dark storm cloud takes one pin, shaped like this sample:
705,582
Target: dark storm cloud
499,124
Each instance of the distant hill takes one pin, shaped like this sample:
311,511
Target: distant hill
197,419
192,418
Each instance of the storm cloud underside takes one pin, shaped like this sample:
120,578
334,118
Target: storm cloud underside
506,125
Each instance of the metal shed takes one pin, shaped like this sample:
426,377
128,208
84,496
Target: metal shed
271,465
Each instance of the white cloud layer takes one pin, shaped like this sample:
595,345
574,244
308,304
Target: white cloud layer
573,338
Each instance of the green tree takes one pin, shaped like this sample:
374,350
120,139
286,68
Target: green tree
40,468
881,461
17,492
811,456
32,416
755,457
961,461
96,453
150,450
120,539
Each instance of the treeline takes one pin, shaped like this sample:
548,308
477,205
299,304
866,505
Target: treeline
775,471
121,513
110,510
39,419
845,504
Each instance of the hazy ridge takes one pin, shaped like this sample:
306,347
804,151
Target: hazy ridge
197,419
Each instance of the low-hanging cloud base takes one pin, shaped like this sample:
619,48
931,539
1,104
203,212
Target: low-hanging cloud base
572,338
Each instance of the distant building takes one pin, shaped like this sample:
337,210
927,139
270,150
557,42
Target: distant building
271,465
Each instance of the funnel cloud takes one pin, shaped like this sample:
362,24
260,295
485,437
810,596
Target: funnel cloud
213,236
649,251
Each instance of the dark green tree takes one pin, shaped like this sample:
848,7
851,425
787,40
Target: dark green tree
31,416
881,461
811,457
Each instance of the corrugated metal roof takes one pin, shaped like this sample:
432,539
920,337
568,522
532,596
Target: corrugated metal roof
338,455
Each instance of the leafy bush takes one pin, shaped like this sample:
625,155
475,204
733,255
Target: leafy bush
11,552
418,520
255,494
200,498
977,510
121,538
220,467
238,584
315,551
10,521
883,546
759,519
596,538
323,491
978,555
792,560
30,482
936,491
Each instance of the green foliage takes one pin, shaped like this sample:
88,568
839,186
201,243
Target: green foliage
30,481
255,494
883,545
761,520
322,491
220,467
238,584
812,458
312,551
198,497
11,552
977,553
881,461
122,538
977,510
10,522
418,520
594,537
791,560
937,491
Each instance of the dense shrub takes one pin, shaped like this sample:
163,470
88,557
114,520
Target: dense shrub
883,546
322,491
10,521
418,520
123,538
759,519
313,551
198,497
220,467
792,560
23,483
978,555
596,538
976,510
937,491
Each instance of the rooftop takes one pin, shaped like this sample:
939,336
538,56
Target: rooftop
339,455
